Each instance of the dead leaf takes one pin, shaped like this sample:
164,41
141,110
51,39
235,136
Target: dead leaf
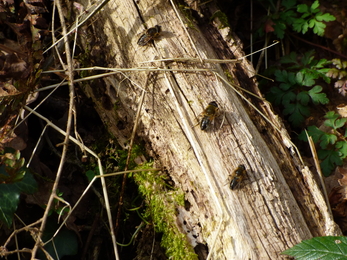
343,172
7,89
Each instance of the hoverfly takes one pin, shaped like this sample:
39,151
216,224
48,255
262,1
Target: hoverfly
237,176
149,35
209,114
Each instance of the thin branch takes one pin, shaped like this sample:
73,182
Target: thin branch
320,174
68,129
185,29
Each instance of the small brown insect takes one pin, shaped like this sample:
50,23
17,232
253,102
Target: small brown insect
237,176
209,114
149,35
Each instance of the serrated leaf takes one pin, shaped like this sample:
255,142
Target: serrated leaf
304,28
341,146
333,121
279,29
285,77
299,24
281,76
275,95
303,98
330,159
318,97
324,248
327,139
315,133
319,28
321,63
302,8
290,58
331,115
288,3
315,5
326,17
307,57
299,77
340,122
289,16
288,97
297,113
308,79
311,23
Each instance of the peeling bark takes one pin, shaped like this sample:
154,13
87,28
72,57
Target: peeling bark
279,204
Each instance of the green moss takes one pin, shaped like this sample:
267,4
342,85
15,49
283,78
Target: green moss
188,15
229,76
222,18
153,187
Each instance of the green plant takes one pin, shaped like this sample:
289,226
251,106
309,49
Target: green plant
339,73
333,143
279,19
297,88
65,243
324,248
313,18
58,206
15,179
153,187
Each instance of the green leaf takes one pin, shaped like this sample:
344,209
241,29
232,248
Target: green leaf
9,199
330,159
289,3
9,196
341,147
303,98
314,6
333,121
281,75
321,63
287,79
304,27
65,243
279,29
297,113
318,97
314,132
302,8
318,27
290,58
288,97
324,248
288,17
327,139
28,184
90,175
308,79
307,58
326,17
331,115
299,25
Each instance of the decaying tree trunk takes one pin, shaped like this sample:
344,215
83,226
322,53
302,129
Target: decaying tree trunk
278,204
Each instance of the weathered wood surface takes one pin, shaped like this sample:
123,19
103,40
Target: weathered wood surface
277,206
